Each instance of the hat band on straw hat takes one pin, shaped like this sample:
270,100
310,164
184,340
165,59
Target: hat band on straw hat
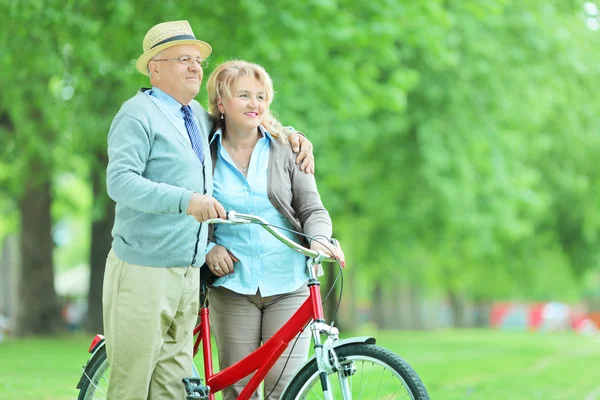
174,38
165,35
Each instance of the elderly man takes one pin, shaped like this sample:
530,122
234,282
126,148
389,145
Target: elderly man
159,174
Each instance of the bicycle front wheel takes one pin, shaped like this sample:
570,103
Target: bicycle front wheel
374,373
94,382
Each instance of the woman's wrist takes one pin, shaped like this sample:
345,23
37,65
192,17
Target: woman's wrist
321,239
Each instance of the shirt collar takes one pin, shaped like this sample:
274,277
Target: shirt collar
263,131
171,104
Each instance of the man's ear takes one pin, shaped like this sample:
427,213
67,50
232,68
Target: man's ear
154,69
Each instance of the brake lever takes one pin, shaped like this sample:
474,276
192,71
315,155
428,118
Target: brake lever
232,219
232,216
219,221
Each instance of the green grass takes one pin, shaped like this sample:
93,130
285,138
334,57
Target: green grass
501,365
453,365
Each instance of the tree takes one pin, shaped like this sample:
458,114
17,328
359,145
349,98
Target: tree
32,120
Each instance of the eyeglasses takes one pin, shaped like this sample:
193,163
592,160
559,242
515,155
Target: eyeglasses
186,60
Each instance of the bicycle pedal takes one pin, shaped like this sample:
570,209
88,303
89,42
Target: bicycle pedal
194,389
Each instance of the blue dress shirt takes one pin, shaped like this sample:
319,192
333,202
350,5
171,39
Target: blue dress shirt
171,108
265,263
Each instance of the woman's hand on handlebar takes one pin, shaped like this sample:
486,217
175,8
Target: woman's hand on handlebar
220,261
329,249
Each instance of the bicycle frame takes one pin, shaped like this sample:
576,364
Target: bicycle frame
263,358
332,356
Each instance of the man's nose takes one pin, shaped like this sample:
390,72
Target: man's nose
194,67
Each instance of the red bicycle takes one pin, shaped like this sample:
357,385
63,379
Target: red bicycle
353,368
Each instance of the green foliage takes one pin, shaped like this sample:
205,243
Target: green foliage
455,141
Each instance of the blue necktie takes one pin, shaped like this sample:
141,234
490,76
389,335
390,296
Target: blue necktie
193,132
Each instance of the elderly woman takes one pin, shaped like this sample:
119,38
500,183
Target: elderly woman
261,281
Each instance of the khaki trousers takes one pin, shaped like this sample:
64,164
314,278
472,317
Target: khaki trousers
242,322
149,317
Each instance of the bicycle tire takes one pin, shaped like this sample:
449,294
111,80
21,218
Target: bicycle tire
306,383
94,381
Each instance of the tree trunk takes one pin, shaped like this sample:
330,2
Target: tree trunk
416,316
377,305
482,316
38,310
349,300
9,265
331,303
457,309
102,225
399,304
393,313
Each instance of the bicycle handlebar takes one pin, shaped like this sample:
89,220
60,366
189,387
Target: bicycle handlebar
235,218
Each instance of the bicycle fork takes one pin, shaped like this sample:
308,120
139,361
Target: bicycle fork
328,362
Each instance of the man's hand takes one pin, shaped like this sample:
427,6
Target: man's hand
304,148
203,207
220,260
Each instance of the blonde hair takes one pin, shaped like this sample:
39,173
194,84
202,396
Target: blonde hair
221,82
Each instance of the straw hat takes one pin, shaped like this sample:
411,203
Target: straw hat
165,35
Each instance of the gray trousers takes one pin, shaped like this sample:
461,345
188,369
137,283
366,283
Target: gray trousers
242,322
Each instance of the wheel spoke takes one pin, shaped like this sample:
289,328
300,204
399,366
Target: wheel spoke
366,381
317,394
379,385
95,385
374,373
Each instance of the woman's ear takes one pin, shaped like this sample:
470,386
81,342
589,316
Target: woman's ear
220,105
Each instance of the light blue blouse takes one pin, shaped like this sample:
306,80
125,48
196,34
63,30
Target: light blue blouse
265,263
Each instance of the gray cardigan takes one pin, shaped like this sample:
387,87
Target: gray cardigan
292,192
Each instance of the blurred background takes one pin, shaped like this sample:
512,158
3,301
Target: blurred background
456,142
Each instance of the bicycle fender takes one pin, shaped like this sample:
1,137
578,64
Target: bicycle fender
98,344
358,339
